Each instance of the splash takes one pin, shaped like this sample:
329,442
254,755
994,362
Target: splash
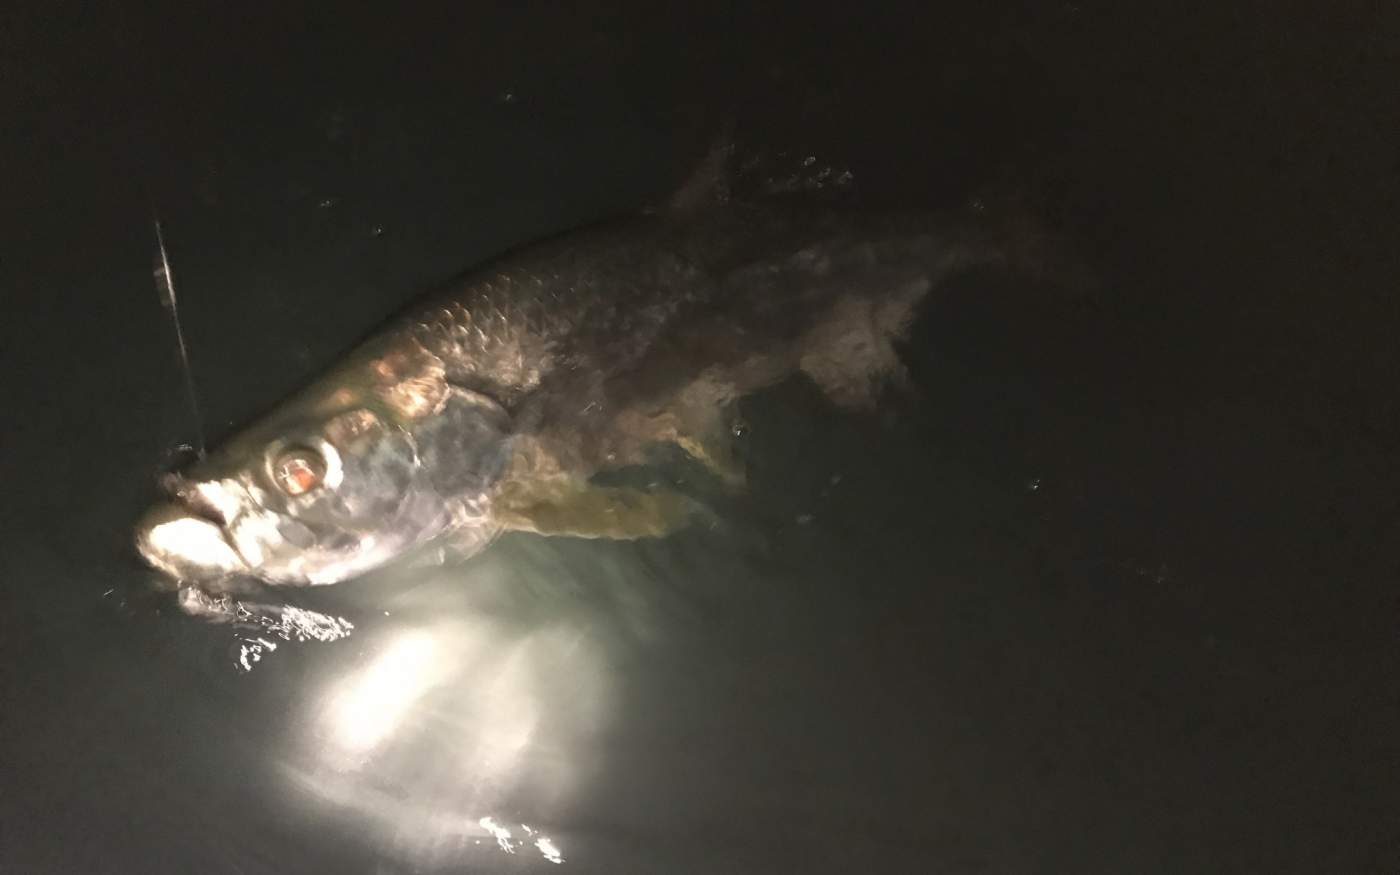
506,841
499,833
261,626
549,850
544,844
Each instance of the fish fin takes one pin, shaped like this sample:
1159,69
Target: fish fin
710,184
850,353
716,453
585,510
735,173
461,544
710,435
702,423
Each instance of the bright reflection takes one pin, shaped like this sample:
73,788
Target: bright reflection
189,542
480,697
499,833
545,845
368,707
549,850
285,622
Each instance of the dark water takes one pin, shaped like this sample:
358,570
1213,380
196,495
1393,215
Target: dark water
1115,592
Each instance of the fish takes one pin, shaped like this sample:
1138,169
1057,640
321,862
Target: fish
501,400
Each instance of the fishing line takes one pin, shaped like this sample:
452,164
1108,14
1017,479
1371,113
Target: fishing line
165,286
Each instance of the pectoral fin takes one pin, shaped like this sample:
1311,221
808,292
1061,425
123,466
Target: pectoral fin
585,510
703,422
715,450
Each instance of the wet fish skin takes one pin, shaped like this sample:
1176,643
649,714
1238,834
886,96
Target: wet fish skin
491,403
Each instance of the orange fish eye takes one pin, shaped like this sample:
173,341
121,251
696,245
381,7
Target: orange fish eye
298,471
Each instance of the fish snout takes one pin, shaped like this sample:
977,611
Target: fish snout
207,500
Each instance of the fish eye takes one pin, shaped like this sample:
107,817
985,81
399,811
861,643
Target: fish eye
299,470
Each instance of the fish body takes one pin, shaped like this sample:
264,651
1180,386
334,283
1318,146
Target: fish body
493,402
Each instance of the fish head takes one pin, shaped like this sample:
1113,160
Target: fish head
324,491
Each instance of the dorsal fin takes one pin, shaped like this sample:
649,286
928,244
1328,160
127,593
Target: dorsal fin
710,184
730,174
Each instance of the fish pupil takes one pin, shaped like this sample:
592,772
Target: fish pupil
299,472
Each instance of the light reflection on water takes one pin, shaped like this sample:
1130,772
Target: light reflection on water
368,706
469,711
463,704
258,627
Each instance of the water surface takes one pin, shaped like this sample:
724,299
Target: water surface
1110,591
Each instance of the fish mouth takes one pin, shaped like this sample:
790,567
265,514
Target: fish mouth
187,542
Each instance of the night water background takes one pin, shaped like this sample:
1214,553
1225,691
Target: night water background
1115,592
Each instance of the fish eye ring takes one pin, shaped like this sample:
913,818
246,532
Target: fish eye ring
298,470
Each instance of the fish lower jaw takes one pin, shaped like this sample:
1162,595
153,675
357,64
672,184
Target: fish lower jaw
185,546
